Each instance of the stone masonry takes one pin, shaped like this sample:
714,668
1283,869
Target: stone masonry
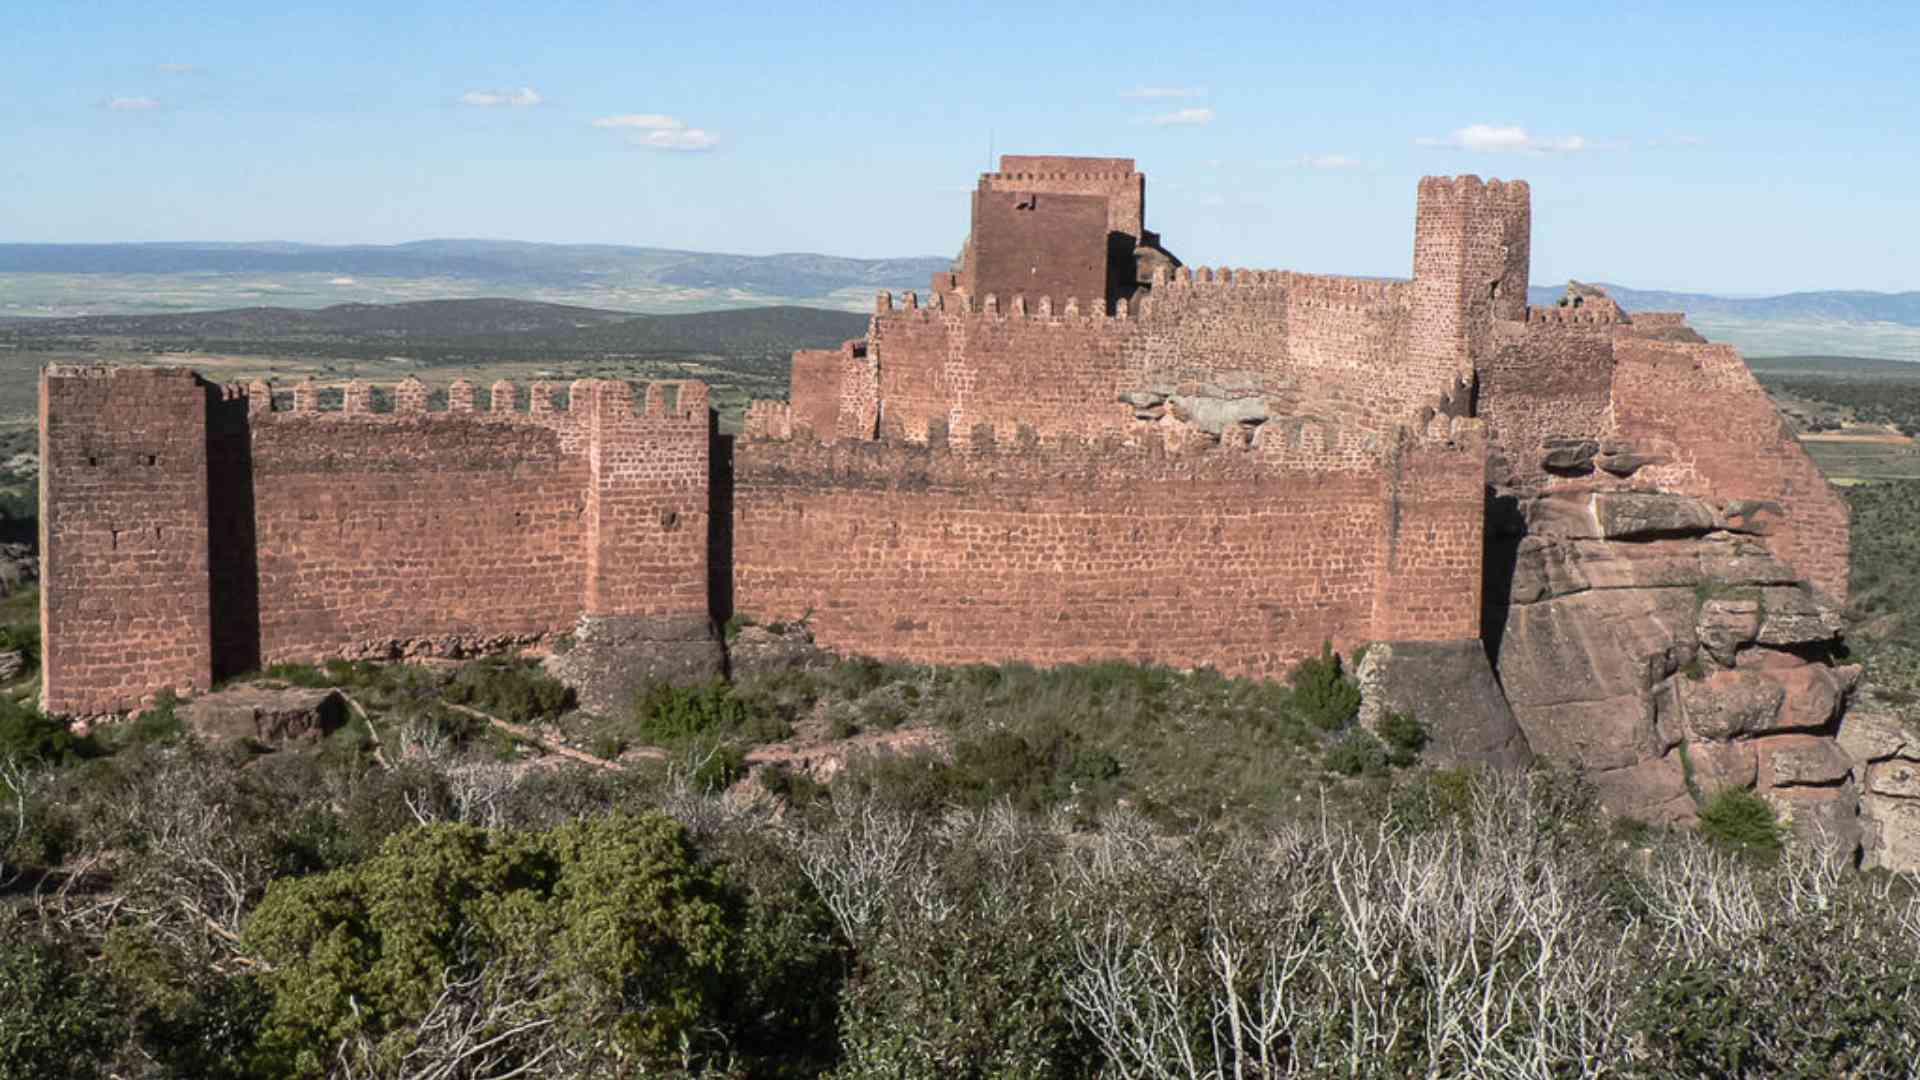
1071,447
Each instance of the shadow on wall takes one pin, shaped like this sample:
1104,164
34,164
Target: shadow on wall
232,554
720,528
1505,529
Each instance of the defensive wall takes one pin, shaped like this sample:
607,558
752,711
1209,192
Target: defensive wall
1692,411
1220,467
191,530
1243,557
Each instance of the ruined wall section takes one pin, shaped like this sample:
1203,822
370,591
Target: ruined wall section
1061,551
1544,380
648,507
1432,542
125,601
1471,261
1731,444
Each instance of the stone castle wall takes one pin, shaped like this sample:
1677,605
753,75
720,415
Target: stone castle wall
1051,551
271,536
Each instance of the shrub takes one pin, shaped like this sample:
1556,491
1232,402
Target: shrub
608,927
29,735
1322,693
1404,736
1357,752
51,1020
512,690
665,715
1738,819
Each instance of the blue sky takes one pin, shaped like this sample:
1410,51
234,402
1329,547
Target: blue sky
1750,147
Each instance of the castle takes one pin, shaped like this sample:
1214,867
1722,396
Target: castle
1071,447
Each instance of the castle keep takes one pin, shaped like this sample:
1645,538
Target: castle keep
1070,447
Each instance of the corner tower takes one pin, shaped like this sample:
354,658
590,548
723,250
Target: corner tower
1471,254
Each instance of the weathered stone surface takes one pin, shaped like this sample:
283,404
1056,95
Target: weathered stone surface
1814,696
1827,817
759,650
1800,760
1756,516
1897,823
1625,514
613,656
1873,736
269,714
1795,616
1653,790
1565,515
12,663
1626,463
1214,415
1895,777
1725,624
1449,687
1568,455
1729,703
1720,765
1738,561
1143,399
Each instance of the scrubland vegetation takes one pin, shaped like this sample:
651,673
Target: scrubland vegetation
1096,872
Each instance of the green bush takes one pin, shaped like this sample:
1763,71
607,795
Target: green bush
1357,753
1322,693
667,715
516,691
1404,736
52,1023
609,926
1738,819
29,735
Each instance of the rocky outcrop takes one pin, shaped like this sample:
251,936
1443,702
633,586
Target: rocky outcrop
765,650
1449,687
272,715
1651,640
1882,747
613,656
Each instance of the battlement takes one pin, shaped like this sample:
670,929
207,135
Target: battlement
1513,194
1584,315
672,399
991,307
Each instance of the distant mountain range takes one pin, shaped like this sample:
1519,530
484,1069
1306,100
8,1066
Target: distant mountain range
1847,306
494,261
63,280
445,331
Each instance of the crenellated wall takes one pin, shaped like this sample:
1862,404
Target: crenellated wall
352,532
1055,550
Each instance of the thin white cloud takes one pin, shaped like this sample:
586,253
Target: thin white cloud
682,139
489,99
645,121
132,104
1165,92
1182,118
663,132
1330,161
1511,139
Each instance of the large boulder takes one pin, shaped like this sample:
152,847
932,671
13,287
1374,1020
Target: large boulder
268,714
1668,657
1449,687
